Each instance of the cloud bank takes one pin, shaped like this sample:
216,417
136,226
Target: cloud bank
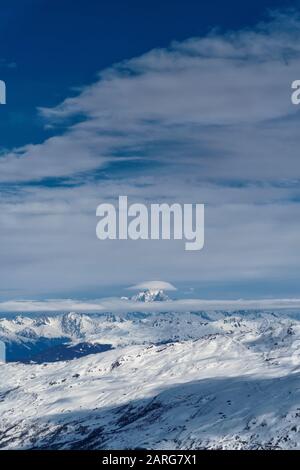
115,305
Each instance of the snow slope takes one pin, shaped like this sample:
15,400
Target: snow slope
177,381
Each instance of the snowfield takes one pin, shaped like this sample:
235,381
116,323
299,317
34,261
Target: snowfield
206,380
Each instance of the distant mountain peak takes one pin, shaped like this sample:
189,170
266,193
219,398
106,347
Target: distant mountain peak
150,295
71,324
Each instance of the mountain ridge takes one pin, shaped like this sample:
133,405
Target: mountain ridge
213,380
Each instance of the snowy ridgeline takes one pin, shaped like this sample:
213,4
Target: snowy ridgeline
151,380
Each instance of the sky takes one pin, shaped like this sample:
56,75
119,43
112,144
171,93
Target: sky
163,102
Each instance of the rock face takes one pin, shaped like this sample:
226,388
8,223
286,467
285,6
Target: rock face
150,295
206,380
71,324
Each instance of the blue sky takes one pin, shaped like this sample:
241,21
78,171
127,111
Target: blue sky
48,47
179,102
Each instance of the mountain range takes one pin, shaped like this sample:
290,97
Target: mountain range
167,380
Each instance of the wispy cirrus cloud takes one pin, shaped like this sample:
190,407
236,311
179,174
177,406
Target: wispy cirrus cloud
184,103
7,64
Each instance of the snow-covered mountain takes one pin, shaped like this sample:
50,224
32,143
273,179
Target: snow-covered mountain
151,295
169,380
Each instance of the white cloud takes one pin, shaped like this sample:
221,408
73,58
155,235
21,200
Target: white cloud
118,305
214,120
155,285
186,103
